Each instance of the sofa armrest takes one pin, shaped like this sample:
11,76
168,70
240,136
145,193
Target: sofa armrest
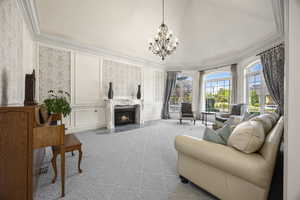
251,167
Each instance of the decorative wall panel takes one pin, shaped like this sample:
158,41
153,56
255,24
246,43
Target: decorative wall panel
87,79
54,71
125,78
11,72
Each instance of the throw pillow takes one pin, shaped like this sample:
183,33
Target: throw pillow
266,122
219,136
247,116
247,137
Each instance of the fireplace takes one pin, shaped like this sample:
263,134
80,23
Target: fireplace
124,115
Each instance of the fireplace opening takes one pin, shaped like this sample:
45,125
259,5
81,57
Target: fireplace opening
124,115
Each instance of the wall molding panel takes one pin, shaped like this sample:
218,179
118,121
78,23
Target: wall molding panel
86,77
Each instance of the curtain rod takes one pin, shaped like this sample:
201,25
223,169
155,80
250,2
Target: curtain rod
218,67
281,44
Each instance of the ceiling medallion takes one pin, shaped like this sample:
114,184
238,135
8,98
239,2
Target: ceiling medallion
164,42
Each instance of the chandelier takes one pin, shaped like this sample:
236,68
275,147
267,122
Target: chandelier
164,42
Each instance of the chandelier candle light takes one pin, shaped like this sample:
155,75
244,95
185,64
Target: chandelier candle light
164,43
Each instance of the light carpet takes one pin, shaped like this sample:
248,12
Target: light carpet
138,164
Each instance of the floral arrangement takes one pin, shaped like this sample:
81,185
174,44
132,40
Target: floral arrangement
58,102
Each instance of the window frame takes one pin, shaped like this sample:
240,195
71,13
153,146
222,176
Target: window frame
217,80
263,87
178,106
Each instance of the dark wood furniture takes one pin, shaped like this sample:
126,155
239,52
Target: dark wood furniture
19,136
46,136
30,89
204,116
71,144
16,152
187,113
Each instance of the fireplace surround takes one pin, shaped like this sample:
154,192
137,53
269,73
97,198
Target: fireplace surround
113,105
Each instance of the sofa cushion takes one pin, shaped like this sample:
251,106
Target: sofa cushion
219,136
273,116
247,137
247,116
266,121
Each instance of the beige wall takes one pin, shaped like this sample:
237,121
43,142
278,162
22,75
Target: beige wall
292,105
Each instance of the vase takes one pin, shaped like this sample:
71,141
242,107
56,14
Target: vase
138,95
110,91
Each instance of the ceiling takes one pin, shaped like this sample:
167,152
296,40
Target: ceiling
208,30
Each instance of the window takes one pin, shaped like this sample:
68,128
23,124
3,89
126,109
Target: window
257,95
182,93
217,92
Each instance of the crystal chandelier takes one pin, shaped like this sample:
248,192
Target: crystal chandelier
164,42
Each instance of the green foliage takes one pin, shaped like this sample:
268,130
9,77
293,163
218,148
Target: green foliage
254,99
221,100
58,102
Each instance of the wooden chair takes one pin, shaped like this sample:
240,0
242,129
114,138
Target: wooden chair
71,144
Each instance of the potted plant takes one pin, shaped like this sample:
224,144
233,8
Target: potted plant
58,104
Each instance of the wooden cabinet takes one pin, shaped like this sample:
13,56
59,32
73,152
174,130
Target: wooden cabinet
16,131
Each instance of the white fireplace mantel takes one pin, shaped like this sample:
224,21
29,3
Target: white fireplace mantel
110,110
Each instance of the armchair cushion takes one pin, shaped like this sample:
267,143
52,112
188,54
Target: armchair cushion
187,115
221,119
236,109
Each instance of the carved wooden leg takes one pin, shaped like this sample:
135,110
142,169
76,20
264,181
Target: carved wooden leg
79,160
183,179
62,154
53,161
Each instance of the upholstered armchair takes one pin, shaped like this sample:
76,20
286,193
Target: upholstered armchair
236,112
187,113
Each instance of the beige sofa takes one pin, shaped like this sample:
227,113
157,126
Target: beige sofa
226,172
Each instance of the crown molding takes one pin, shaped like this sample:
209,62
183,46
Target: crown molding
70,44
233,56
29,10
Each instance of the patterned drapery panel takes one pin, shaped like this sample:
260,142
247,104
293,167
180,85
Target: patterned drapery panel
273,70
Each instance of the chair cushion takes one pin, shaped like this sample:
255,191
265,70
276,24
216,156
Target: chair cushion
187,115
266,121
219,136
236,109
247,137
186,108
221,119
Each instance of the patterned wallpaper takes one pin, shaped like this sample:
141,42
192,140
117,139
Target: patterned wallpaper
54,71
11,72
125,78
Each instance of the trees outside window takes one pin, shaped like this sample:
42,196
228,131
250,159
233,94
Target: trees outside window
182,93
217,92
257,95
